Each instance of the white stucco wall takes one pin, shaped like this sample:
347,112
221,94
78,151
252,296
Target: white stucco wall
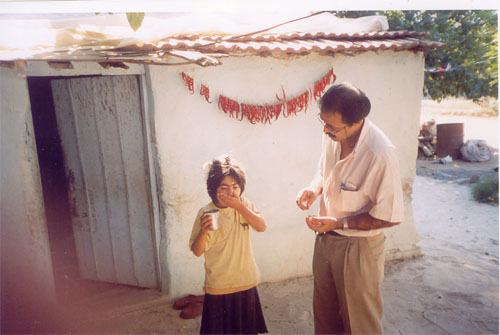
280,158
27,279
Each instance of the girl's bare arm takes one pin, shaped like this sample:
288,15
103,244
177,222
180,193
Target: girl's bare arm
255,220
198,246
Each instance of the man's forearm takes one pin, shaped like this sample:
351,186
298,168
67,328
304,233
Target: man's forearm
317,184
365,221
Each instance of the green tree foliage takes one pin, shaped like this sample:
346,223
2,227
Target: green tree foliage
468,66
135,20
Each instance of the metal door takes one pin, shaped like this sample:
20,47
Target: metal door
102,135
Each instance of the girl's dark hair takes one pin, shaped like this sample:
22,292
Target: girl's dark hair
348,101
220,168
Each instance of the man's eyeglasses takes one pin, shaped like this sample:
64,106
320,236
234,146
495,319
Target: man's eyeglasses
330,129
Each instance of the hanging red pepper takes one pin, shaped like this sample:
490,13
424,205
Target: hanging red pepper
245,111
284,105
250,112
255,114
189,82
229,105
305,100
319,86
284,96
267,114
277,109
205,91
290,106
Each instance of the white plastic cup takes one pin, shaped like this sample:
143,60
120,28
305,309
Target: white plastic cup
214,214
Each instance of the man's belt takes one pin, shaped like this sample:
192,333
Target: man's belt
330,232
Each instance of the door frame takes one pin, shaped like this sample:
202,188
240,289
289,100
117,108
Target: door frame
43,69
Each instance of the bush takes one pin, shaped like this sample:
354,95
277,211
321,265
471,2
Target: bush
486,190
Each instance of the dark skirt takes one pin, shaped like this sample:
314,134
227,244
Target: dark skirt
234,313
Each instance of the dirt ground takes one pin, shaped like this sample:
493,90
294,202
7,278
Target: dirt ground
451,289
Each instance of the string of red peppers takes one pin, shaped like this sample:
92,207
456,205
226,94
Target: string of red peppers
265,113
189,82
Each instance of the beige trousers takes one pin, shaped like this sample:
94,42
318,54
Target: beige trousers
348,274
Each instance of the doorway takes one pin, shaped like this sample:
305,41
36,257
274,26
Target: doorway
54,186
121,258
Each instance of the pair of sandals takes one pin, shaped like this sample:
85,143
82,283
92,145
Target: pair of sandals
191,305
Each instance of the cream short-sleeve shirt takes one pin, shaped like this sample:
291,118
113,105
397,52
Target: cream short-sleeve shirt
367,180
229,261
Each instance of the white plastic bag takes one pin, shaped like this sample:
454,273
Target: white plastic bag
475,151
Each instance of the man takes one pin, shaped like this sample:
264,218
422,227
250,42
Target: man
361,194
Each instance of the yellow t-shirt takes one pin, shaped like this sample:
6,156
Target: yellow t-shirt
229,262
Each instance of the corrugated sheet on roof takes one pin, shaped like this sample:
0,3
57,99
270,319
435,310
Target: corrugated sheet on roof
206,53
320,33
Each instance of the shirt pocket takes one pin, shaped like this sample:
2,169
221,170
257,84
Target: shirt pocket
353,201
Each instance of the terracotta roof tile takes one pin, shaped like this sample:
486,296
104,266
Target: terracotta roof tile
301,42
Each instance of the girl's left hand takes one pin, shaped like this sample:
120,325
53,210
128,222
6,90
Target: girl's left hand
230,200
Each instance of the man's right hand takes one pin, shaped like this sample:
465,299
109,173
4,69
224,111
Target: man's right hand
305,198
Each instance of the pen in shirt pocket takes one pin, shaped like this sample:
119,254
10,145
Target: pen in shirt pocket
347,186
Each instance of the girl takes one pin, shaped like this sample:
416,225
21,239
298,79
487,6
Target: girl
231,304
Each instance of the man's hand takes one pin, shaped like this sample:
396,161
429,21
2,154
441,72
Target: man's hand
305,198
322,224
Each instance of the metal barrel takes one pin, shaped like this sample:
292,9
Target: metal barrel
450,138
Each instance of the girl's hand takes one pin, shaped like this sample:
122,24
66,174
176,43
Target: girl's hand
206,223
230,201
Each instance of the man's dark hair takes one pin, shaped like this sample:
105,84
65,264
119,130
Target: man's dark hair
220,168
347,100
